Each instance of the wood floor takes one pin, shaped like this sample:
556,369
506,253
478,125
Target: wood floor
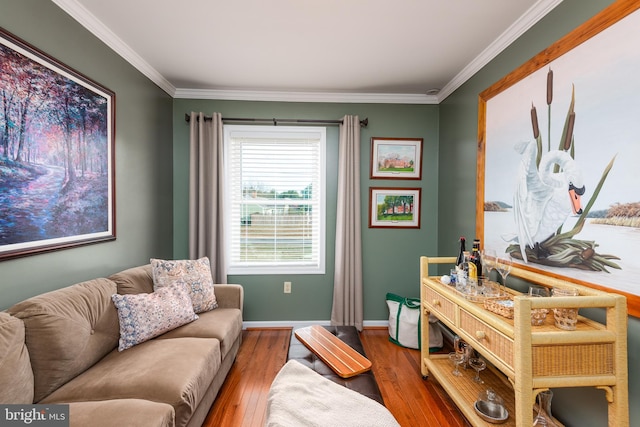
413,401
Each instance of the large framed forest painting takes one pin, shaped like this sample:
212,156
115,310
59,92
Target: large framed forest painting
56,154
558,150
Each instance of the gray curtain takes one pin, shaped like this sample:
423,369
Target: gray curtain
347,286
206,192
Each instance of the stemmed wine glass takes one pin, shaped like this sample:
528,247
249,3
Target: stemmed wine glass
478,365
503,265
488,257
457,359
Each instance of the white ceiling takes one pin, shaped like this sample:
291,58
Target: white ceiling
308,50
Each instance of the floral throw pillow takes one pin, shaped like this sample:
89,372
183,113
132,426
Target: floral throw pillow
145,316
196,274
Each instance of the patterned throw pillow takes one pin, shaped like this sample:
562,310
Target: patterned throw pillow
145,316
196,274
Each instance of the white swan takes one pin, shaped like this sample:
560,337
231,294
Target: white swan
543,199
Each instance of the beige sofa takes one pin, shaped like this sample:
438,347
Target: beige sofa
62,347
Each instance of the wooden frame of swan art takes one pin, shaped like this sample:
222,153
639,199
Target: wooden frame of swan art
567,120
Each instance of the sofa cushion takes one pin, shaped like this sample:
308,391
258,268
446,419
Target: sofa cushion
177,372
136,280
121,412
145,316
225,324
67,331
196,274
16,376
229,295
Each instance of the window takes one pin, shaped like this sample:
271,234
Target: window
275,191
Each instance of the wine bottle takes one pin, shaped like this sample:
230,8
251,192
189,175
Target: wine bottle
475,255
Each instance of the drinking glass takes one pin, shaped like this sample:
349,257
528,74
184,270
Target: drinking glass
565,318
472,288
503,265
478,365
453,274
538,315
491,289
461,282
538,291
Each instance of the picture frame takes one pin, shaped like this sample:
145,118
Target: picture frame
394,207
57,143
567,116
396,158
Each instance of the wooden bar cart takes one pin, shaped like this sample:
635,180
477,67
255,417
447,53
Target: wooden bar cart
524,360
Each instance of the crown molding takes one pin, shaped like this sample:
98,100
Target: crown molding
102,32
280,96
511,34
96,27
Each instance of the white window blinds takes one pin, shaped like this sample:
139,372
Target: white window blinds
276,199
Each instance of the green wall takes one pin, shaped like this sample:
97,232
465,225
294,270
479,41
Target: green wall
584,407
143,164
151,184
390,257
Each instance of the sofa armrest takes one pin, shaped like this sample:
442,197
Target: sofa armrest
229,296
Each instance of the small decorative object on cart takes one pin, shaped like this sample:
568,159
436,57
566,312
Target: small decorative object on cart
544,417
502,306
491,407
538,315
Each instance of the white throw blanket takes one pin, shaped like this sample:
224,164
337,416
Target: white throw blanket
300,397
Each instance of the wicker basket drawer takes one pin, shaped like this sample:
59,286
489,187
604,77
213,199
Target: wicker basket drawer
440,304
487,337
576,359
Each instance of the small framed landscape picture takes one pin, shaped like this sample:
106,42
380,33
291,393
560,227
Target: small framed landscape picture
396,158
394,207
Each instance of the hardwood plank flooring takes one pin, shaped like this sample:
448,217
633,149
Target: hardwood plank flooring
412,400
242,401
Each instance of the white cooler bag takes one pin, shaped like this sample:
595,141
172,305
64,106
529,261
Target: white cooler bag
404,323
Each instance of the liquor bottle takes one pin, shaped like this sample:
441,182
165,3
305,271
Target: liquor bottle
470,266
475,255
461,277
460,259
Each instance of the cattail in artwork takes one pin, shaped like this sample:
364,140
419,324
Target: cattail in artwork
549,100
549,87
587,253
534,122
569,136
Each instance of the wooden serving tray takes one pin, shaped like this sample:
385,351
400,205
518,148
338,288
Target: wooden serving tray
339,356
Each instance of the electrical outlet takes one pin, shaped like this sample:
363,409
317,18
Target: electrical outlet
287,287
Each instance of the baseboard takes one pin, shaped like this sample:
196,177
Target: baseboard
303,323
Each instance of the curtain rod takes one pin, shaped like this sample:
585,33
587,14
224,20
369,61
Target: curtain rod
363,123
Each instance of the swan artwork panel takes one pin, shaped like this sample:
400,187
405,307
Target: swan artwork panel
543,200
561,191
